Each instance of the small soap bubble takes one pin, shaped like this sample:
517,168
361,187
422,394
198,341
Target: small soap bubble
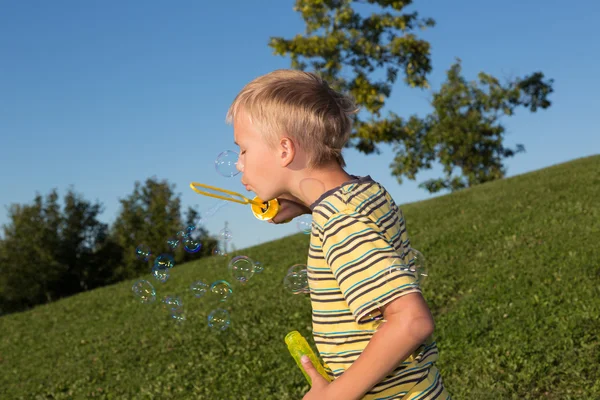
142,252
258,268
173,243
165,261
297,268
191,245
225,164
144,291
225,234
161,273
181,235
304,223
190,229
242,268
376,313
221,290
199,288
178,315
172,302
295,282
296,279
417,265
219,319
219,250
175,307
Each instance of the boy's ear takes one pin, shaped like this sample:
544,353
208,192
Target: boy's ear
287,151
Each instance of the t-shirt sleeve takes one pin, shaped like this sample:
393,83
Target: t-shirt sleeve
364,264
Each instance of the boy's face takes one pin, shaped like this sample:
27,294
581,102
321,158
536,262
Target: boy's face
258,163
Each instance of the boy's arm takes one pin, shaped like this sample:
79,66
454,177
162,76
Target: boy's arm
409,324
293,198
290,207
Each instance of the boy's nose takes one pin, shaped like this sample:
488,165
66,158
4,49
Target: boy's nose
239,166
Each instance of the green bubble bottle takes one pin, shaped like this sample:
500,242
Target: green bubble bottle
298,346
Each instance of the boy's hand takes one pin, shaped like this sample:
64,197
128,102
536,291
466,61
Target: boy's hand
288,210
320,385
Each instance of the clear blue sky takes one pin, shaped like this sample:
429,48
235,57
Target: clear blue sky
98,95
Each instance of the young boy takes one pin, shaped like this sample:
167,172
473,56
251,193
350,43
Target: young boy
371,325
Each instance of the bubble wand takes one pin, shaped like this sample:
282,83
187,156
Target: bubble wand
263,210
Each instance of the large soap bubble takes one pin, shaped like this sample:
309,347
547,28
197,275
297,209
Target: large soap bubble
226,163
242,268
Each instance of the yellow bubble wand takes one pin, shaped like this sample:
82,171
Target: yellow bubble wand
263,210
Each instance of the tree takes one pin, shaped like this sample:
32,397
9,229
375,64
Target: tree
464,131
350,51
48,253
151,216
85,246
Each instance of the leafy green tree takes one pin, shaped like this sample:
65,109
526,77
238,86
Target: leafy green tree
365,55
464,132
151,216
47,253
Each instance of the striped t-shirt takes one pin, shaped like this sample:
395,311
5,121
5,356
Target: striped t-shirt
358,233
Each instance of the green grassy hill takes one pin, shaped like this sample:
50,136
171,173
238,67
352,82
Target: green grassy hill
514,287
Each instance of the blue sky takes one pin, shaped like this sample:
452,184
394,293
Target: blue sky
98,95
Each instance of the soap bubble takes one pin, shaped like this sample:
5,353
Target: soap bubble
376,314
173,243
175,307
304,223
225,234
296,268
172,302
181,235
394,266
221,290
162,264
296,279
190,229
219,251
416,264
258,268
192,245
144,291
142,252
177,315
199,288
165,261
242,268
225,164
160,272
219,319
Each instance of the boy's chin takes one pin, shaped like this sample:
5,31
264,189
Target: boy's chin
265,196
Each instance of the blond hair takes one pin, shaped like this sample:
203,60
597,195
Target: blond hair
302,106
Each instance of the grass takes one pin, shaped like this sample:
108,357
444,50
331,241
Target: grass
514,287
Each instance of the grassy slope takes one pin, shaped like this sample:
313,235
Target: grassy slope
514,289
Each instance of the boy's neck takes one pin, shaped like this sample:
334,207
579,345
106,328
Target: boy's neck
311,184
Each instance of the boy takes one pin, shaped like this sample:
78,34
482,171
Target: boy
371,325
